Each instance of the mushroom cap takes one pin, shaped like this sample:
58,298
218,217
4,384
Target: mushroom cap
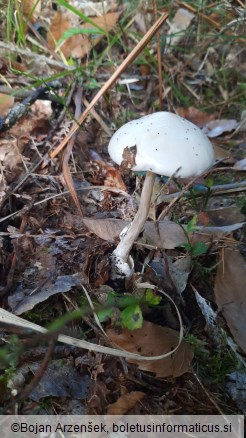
164,142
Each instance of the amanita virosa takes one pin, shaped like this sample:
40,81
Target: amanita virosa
163,143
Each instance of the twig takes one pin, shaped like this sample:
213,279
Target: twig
208,395
22,108
106,188
158,50
98,118
68,151
214,190
21,93
190,184
135,52
39,374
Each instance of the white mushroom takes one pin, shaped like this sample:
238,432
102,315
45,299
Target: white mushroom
164,143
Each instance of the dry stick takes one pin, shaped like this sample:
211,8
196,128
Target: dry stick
68,151
43,41
213,191
158,50
186,188
98,118
40,372
241,3
135,52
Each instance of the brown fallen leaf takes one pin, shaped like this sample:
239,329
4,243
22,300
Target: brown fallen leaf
222,154
78,45
230,287
196,116
113,179
171,234
154,340
6,102
125,402
225,216
73,46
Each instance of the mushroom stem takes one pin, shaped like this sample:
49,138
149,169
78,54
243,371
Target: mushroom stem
120,256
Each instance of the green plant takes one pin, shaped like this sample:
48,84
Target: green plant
212,365
193,249
129,308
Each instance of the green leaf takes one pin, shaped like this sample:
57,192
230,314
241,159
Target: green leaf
151,298
105,314
208,182
126,300
198,248
131,317
76,31
191,226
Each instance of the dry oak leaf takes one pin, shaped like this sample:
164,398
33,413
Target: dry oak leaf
155,340
230,287
73,46
125,402
78,45
196,116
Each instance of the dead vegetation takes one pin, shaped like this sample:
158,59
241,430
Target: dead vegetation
69,78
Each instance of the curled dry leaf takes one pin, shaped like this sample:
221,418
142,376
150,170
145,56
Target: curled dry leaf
230,287
154,340
113,179
217,127
125,402
20,302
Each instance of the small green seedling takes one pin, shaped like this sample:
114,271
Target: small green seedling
197,248
129,308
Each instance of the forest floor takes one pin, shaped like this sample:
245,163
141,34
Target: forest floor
69,78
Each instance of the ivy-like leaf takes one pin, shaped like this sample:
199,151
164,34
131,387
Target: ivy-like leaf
131,317
151,298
